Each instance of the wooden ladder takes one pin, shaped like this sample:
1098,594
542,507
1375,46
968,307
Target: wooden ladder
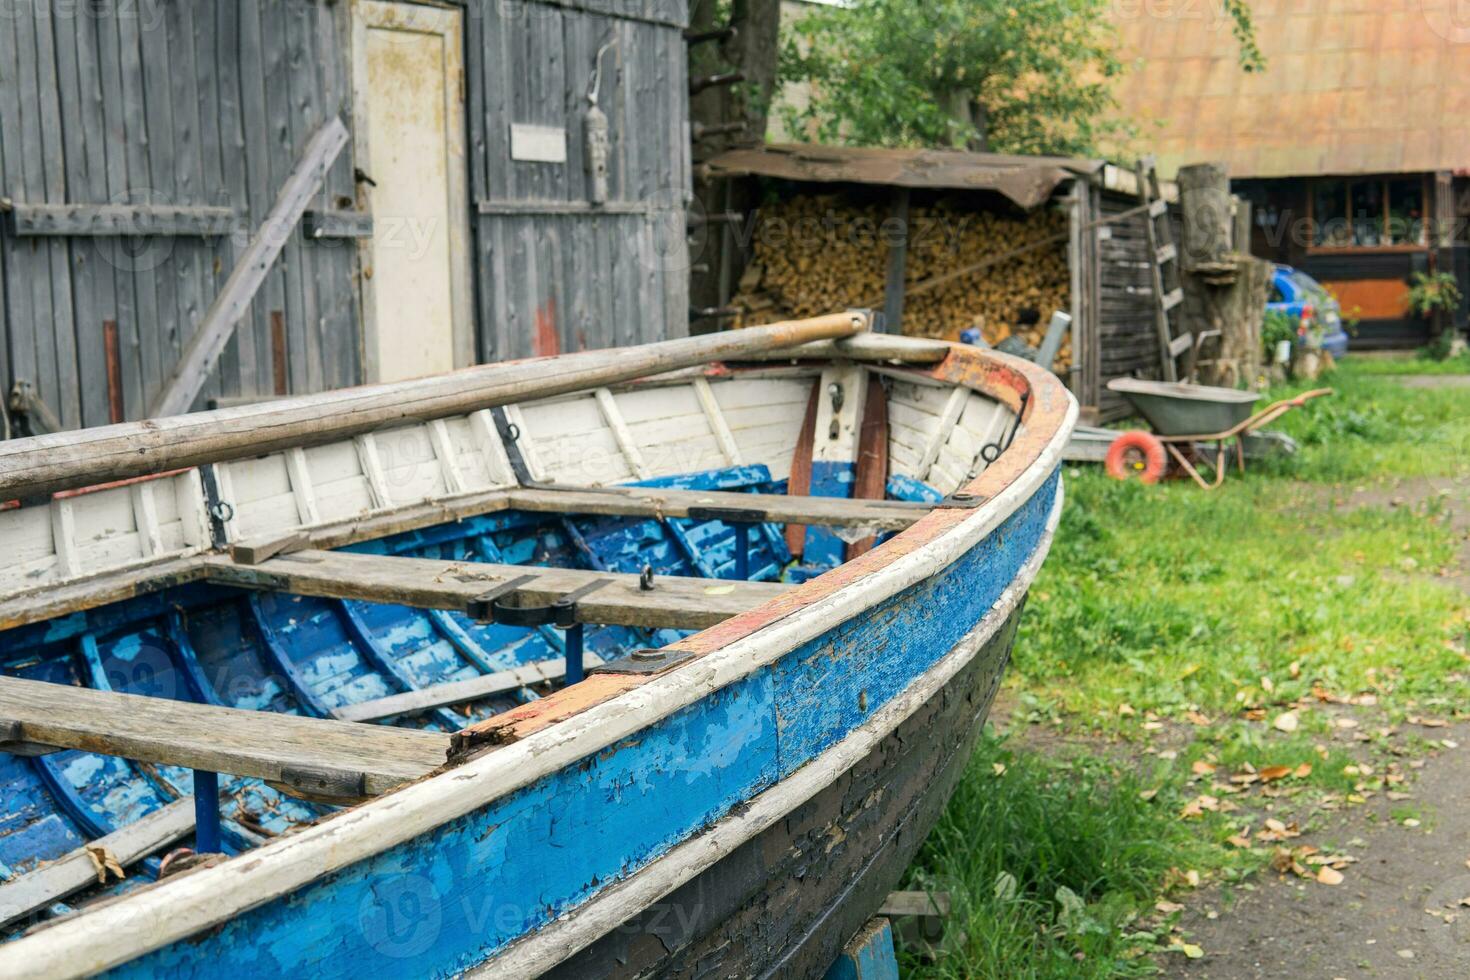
1163,267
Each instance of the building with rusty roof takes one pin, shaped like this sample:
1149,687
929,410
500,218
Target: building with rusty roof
1351,145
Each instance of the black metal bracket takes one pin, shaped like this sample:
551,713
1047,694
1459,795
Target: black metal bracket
962,501
729,515
499,605
644,662
510,436
220,512
325,781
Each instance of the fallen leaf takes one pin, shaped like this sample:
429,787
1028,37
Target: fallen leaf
1411,822
998,768
1329,876
1295,670
1197,807
1286,722
1267,685
1168,908
1238,841
1126,710
1272,773
1303,771
103,862
1195,718
719,590
1201,768
1191,950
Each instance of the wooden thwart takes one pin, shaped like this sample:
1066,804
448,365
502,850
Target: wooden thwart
459,692
672,603
322,759
51,883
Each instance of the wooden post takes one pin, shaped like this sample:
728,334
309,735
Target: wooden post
898,261
1225,289
1204,201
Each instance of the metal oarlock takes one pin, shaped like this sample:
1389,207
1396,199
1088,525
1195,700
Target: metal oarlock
499,605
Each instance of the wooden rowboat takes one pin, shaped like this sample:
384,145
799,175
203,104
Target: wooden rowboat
660,660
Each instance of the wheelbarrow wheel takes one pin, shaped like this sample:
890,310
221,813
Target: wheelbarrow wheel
1137,456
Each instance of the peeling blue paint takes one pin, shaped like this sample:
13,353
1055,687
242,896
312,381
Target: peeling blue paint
829,479
441,903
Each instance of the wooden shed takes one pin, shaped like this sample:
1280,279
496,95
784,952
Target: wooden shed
1109,290
152,152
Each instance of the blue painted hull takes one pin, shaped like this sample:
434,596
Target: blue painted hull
307,656
468,890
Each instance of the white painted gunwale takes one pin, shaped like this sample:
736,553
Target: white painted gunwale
153,917
578,928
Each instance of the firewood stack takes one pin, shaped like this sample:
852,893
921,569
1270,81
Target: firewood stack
817,254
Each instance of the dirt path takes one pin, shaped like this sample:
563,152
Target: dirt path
1404,909
1434,380
1397,914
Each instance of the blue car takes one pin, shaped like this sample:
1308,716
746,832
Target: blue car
1310,305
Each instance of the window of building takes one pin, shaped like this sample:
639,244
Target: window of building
1368,212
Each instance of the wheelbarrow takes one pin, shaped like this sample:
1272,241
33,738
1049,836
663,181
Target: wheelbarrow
1183,415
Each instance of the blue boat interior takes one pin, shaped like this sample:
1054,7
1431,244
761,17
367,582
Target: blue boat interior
293,654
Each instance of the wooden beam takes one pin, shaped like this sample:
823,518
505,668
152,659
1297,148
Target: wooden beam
76,220
64,461
459,692
876,515
75,870
673,603
49,602
320,758
337,224
233,301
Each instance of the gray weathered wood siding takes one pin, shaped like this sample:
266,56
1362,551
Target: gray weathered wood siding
206,104
167,102
555,274
1129,342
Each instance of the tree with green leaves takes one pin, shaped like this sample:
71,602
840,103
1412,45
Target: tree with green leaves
1015,76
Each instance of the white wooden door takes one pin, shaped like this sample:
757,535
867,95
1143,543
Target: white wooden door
408,92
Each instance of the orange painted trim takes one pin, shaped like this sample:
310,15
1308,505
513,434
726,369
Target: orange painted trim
116,484
1371,299
516,724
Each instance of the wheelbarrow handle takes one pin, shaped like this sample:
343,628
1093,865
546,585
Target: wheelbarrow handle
1307,396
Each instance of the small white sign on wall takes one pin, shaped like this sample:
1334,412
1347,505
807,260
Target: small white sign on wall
538,144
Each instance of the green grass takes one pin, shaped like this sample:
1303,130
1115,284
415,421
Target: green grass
1051,865
1175,626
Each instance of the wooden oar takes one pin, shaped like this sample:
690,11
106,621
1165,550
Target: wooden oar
67,460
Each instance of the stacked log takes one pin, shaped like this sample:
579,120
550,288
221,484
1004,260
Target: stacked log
820,253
